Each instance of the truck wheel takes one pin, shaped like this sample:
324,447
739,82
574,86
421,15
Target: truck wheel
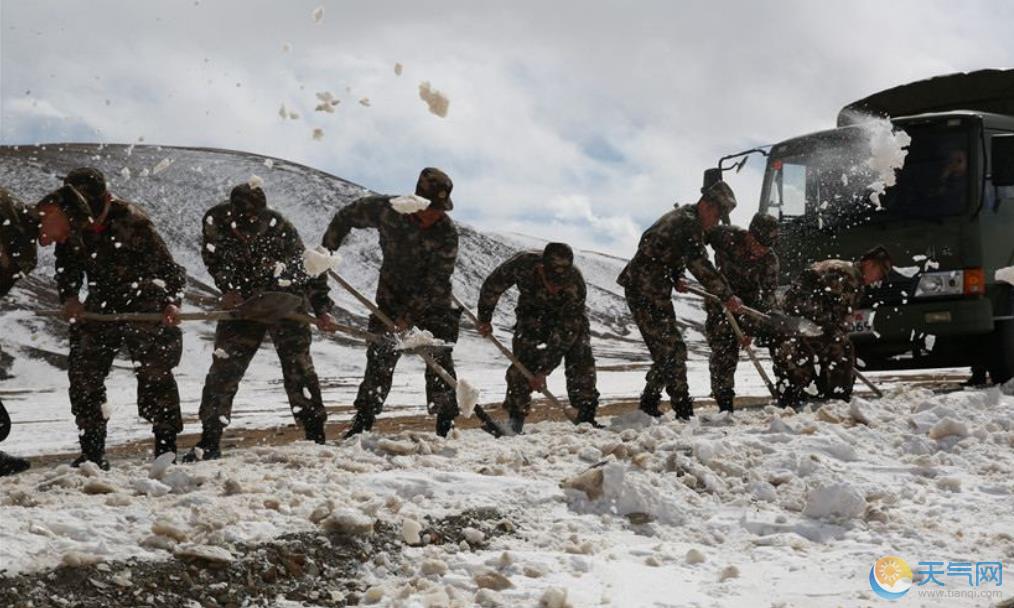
1001,364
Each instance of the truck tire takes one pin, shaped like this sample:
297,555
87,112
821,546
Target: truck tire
1001,363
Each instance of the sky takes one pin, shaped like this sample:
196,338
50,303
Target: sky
580,121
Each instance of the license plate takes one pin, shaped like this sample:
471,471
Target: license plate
861,321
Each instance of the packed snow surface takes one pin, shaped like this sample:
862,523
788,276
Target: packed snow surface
764,508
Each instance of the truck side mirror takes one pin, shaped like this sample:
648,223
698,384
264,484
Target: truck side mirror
1003,160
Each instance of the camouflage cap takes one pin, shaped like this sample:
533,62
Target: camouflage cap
87,180
558,252
248,198
435,186
881,256
722,194
70,201
764,228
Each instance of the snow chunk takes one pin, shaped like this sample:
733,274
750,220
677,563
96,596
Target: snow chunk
125,173
409,203
151,487
209,553
279,269
473,536
162,165
728,572
436,101
397,69
410,530
220,353
554,597
319,260
695,556
907,271
419,338
327,102
948,427
256,182
433,567
1005,275
318,14
107,410
160,465
350,522
270,164
317,135
838,501
468,397
623,492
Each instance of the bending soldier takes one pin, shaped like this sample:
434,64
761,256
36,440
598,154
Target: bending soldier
551,327
747,260
419,250
673,244
248,249
17,258
825,293
128,269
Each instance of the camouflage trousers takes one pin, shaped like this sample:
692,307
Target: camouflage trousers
579,368
154,349
236,343
656,319
796,362
382,358
725,348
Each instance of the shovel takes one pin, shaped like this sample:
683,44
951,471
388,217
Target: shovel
786,324
490,424
528,375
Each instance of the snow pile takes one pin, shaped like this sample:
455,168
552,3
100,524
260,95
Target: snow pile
416,338
319,260
835,502
617,489
409,203
436,101
888,149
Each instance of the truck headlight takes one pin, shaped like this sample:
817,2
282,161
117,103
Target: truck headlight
949,283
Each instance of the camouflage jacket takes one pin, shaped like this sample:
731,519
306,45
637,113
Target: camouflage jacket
673,244
270,260
559,310
17,242
128,266
415,276
826,293
754,281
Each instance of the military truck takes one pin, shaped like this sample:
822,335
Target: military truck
948,221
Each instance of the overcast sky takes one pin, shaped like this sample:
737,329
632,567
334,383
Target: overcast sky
580,121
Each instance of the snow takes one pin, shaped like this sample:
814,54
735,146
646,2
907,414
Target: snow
318,134
468,397
436,102
398,69
409,203
162,165
256,181
317,14
416,338
319,260
888,149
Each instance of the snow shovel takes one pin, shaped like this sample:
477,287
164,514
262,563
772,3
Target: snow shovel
513,359
784,323
490,424
267,307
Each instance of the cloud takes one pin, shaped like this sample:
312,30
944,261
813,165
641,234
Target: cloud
607,112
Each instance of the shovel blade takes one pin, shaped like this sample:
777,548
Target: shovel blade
269,307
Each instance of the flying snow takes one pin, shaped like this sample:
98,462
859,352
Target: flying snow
888,149
319,260
318,14
409,203
435,100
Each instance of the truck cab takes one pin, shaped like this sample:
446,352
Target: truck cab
948,221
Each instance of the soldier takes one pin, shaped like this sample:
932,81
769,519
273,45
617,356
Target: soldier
551,327
419,250
128,269
248,249
747,260
18,230
825,293
674,243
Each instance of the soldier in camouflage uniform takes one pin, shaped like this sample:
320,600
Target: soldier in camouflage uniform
249,249
747,260
414,290
128,269
825,293
18,230
551,327
673,244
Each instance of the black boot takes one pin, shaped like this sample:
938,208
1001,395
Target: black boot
93,448
165,441
586,415
11,465
445,422
684,408
314,431
725,401
649,405
361,423
207,448
790,397
517,423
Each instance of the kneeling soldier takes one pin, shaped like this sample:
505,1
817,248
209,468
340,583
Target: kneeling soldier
248,249
825,293
551,327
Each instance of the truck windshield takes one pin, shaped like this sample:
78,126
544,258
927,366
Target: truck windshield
827,176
